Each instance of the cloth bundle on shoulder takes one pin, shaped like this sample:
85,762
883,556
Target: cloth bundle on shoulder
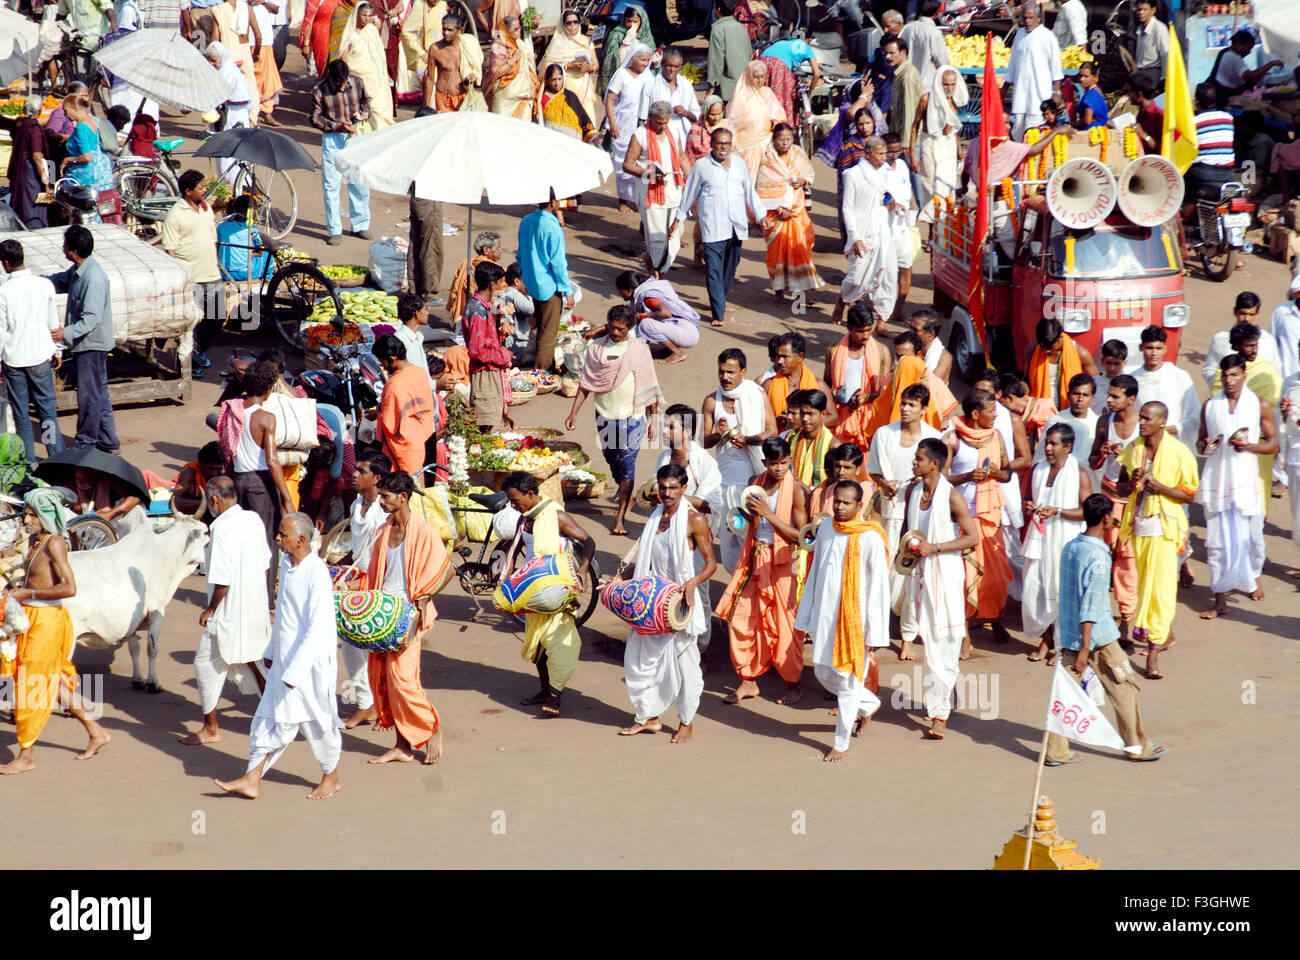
295,427
374,621
545,584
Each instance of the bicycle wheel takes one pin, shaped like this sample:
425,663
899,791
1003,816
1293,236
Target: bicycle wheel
589,597
91,533
147,192
291,296
274,198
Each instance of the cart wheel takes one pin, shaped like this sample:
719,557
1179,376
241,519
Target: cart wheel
963,358
292,294
1221,264
91,533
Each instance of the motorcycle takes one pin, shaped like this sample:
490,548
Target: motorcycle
354,385
1215,225
80,202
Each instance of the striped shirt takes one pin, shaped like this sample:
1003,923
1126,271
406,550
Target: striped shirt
1214,139
1085,594
332,108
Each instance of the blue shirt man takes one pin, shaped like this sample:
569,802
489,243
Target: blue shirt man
1085,594
544,269
233,244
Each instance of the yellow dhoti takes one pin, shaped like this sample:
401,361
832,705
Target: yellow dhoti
555,636
42,665
1156,559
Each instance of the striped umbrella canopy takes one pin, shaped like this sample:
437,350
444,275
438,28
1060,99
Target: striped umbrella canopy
163,66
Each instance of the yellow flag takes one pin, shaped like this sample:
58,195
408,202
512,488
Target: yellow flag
1180,115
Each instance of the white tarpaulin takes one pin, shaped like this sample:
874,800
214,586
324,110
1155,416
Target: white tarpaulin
1279,29
152,294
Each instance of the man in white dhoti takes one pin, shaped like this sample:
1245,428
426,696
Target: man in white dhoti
872,270
1081,418
889,461
235,622
845,609
737,419
671,87
1236,429
364,522
1053,518
654,158
1164,382
934,603
663,670
1034,71
299,695
703,480
902,219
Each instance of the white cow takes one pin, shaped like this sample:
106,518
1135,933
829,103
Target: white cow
123,586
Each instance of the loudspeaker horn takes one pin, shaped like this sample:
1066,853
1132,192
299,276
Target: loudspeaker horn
1081,193
1150,190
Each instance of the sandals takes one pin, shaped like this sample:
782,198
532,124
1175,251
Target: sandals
1074,758
1157,751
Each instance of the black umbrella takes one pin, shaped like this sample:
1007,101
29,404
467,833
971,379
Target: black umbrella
260,146
60,469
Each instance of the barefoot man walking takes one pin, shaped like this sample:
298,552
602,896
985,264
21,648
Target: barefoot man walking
409,560
299,695
664,669
235,622
845,609
42,666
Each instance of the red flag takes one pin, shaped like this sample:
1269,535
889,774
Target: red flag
993,124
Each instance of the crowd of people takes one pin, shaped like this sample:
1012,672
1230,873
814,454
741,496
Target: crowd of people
849,502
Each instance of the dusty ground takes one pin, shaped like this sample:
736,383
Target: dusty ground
516,790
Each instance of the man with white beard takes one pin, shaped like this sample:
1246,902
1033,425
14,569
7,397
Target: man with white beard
235,622
299,695
845,609
737,419
872,270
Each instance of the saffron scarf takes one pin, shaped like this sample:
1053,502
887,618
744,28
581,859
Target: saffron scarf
655,192
911,370
850,641
778,388
426,562
988,442
1040,375
779,556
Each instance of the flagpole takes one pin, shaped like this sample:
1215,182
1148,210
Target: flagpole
1033,803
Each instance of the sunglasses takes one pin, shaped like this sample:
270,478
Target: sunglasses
567,22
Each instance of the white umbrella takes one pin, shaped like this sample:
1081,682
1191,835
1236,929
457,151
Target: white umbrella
165,67
20,41
458,157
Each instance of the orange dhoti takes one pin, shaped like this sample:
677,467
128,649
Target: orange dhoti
42,666
269,84
1123,569
986,598
399,696
762,600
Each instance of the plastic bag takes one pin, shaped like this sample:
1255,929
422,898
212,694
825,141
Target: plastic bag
388,263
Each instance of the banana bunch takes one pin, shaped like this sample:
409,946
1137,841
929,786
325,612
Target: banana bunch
969,51
359,306
1073,57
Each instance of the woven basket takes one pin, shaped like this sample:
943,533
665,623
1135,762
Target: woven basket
520,397
584,491
541,433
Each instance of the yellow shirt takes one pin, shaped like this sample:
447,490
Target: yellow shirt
617,404
190,236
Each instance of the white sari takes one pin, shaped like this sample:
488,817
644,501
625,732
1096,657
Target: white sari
627,101
363,51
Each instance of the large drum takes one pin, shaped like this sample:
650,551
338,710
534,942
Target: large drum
542,585
372,620
651,605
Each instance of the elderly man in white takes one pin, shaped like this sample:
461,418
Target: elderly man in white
1034,72
1285,327
299,695
873,263
1071,27
235,622
672,88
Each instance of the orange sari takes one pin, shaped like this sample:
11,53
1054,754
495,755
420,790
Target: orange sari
789,241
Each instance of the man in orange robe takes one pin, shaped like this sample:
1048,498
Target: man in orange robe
407,413
400,699
857,370
977,464
761,600
1054,360
793,374
911,369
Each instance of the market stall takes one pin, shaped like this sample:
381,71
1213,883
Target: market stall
154,313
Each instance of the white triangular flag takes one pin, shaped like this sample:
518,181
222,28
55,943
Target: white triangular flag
1072,714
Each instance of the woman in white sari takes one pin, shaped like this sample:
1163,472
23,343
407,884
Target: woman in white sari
510,83
936,128
754,112
239,100
622,103
577,55
363,51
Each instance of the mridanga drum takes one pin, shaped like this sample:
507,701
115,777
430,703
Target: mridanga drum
650,605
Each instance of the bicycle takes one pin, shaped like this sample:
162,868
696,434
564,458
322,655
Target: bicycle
287,292
149,187
89,532
479,573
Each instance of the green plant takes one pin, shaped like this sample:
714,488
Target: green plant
528,20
